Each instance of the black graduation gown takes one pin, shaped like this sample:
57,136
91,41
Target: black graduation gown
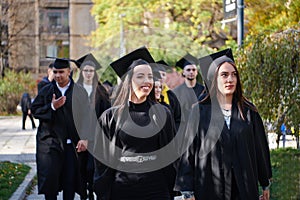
111,183
240,153
99,102
187,97
174,107
54,129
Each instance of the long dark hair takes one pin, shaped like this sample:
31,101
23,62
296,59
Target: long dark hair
98,89
238,96
122,91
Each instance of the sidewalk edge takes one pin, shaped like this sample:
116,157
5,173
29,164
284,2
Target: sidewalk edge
20,193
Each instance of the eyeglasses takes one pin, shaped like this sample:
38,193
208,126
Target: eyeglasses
88,70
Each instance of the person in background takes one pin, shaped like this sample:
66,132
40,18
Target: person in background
188,64
167,95
99,102
283,132
127,125
108,86
62,133
25,106
47,79
230,154
188,92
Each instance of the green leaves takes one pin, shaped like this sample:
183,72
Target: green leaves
12,86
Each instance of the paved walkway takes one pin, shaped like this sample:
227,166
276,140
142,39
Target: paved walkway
17,145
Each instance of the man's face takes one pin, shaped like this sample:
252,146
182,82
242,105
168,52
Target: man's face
61,76
190,72
163,75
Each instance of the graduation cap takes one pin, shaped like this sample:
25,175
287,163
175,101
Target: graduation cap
209,64
61,63
161,65
188,59
121,66
88,59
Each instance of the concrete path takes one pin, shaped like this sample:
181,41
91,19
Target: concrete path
17,145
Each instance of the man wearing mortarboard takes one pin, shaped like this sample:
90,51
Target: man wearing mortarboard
189,91
64,124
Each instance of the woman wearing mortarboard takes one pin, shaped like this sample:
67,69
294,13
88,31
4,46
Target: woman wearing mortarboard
167,95
229,155
128,146
99,102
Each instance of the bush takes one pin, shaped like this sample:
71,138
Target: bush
12,86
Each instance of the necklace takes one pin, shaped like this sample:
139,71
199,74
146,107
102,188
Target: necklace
226,113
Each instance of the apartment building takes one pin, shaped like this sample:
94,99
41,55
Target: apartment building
34,29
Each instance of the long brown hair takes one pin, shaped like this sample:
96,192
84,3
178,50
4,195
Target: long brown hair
238,96
123,90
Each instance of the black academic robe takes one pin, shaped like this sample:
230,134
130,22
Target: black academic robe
174,107
240,153
187,97
134,182
54,129
98,102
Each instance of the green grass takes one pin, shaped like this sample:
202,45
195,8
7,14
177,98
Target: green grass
286,174
11,176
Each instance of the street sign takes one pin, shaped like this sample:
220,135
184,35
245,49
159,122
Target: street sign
230,7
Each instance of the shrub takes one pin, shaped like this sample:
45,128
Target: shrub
12,86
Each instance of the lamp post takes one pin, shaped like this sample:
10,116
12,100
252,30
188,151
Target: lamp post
122,40
240,22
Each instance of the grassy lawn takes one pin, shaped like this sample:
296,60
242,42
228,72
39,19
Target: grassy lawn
286,174
11,176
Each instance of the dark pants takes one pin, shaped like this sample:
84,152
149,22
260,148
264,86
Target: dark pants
69,176
86,161
24,119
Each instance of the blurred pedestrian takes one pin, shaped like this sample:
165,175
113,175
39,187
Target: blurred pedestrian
283,133
46,79
26,111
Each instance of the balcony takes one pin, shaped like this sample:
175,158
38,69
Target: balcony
54,29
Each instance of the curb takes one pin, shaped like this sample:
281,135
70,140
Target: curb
20,193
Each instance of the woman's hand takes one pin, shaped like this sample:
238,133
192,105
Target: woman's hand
82,145
265,195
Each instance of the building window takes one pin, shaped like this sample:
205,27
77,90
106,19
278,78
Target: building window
57,48
54,20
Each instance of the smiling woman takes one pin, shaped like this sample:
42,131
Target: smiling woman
128,165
